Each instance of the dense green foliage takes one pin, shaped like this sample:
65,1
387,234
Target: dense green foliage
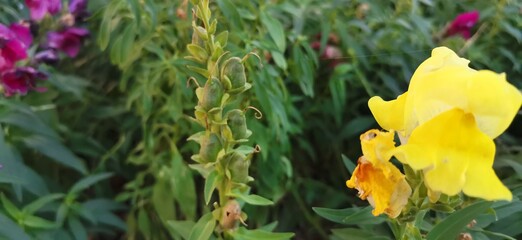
103,153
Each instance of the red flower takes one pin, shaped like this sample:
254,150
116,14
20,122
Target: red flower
463,24
21,80
12,47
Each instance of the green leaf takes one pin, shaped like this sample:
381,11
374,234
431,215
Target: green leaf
357,234
230,11
279,59
163,199
56,151
203,229
182,182
210,185
22,116
334,215
135,8
37,222
11,230
222,38
251,199
11,208
275,30
245,234
182,228
452,225
105,26
40,202
77,229
88,181
363,216
350,166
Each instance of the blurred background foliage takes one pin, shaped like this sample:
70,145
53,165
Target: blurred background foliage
103,154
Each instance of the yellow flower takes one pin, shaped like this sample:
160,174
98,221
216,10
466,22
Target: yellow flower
455,156
447,120
378,180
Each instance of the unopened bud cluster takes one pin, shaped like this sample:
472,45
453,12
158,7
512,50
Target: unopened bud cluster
225,126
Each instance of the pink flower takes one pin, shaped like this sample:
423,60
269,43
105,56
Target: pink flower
21,80
463,24
38,8
12,47
331,54
68,40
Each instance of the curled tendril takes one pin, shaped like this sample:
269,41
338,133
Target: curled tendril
252,54
257,149
258,113
192,79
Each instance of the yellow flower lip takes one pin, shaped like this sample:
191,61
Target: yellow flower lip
378,180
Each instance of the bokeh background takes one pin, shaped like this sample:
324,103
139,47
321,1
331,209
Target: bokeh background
103,153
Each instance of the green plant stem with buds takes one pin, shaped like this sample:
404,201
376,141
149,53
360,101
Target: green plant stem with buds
221,160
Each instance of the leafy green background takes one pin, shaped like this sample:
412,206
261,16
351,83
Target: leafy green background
103,154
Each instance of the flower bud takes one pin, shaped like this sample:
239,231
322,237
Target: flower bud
210,147
211,94
237,123
238,166
231,215
233,75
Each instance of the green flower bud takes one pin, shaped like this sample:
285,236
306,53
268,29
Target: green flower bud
211,94
201,32
233,74
210,147
237,123
238,166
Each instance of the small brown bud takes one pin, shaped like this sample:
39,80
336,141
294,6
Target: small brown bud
231,215
465,236
181,14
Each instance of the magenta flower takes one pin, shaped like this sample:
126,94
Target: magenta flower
12,48
463,24
21,80
68,40
78,8
23,33
38,8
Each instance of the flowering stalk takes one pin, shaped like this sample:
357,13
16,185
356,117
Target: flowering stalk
221,160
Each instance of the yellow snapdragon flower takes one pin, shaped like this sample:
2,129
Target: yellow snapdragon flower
378,180
447,121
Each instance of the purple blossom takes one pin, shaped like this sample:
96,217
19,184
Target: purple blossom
12,48
21,80
78,8
49,56
38,8
68,40
463,24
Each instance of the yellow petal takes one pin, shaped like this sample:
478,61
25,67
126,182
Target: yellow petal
493,101
450,148
482,182
376,145
487,95
441,57
382,185
389,114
